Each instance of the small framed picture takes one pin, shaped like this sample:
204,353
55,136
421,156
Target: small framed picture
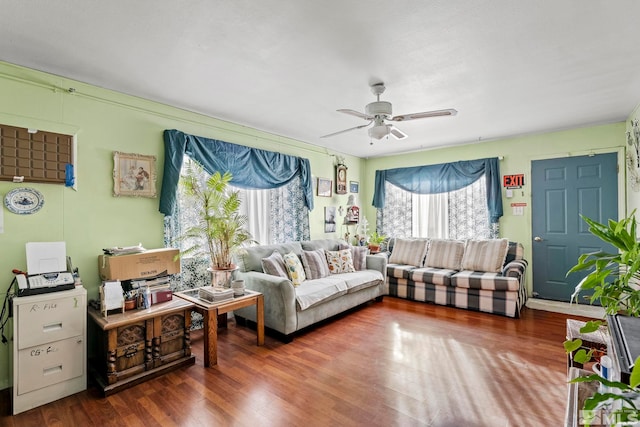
134,175
354,186
341,179
329,219
324,187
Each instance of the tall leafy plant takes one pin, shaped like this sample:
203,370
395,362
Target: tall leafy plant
614,277
219,229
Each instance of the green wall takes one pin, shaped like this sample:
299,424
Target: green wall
91,218
517,154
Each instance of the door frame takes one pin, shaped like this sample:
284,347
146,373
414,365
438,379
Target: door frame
622,196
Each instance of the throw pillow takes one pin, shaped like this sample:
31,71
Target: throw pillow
485,255
340,261
358,255
294,268
445,254
409,251
315,264
274,265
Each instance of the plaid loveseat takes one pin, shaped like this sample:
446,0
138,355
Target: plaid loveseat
485,275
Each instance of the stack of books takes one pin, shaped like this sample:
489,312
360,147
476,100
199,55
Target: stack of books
215,294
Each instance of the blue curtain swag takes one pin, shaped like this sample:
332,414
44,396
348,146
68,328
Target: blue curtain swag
251,168
443,178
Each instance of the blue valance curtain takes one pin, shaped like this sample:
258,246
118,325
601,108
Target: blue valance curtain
251,167
443,178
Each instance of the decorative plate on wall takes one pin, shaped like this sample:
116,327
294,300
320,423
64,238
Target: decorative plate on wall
24,200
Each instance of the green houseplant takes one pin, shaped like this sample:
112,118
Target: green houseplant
375,240
219,225
614,279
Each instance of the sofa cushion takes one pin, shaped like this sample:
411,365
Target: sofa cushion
436,276
326,244
400,271
485,255
340,261
514,252
484,280
274,265
409,251
295,270
314,292
250,257
445,254
358,255
315,264
362,279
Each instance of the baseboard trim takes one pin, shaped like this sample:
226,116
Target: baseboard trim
583,310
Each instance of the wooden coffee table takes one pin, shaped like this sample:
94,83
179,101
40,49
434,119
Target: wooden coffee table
210,312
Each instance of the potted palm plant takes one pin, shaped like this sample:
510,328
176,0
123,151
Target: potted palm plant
219,229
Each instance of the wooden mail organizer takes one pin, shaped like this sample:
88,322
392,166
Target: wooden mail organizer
141,344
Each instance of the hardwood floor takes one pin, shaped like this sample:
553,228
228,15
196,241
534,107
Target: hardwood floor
394,363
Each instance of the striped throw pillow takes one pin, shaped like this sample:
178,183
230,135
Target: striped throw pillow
274,265
315,264
409,251
485,255
445,254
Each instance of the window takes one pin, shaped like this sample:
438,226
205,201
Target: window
274,216
460,214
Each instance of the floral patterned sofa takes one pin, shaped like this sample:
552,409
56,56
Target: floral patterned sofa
481,275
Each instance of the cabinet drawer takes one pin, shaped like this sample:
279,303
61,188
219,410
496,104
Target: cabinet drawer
52,320
43,365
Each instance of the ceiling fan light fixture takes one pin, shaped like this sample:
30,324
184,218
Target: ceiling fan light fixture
379,131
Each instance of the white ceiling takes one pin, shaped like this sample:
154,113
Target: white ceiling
509,67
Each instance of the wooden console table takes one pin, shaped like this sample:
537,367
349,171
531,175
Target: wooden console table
210,312
140,344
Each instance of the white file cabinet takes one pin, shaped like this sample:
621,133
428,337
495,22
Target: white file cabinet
49,347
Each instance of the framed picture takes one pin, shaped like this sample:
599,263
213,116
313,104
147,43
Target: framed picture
354,186
134,175
329,219
324,187
341,179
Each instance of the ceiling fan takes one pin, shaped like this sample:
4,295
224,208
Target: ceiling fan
378,112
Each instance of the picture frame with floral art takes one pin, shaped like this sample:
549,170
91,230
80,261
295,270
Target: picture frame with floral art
134,175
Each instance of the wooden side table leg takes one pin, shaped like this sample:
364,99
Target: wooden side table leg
211,339
260,319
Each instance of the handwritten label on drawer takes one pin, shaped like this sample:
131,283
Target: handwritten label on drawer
42,351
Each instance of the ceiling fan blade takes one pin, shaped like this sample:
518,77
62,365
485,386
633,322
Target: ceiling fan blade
346,130
356,113
397,133
435,113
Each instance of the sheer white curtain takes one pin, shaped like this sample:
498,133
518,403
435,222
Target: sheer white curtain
256,205
430,215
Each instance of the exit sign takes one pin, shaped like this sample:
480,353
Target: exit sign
513,181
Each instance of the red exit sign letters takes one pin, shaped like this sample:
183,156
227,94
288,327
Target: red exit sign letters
513,181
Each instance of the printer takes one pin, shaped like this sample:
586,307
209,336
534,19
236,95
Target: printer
47,269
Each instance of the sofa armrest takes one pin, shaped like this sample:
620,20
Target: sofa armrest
279,299
377,262
515,268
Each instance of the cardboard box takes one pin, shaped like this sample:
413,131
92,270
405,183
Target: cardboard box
148,264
